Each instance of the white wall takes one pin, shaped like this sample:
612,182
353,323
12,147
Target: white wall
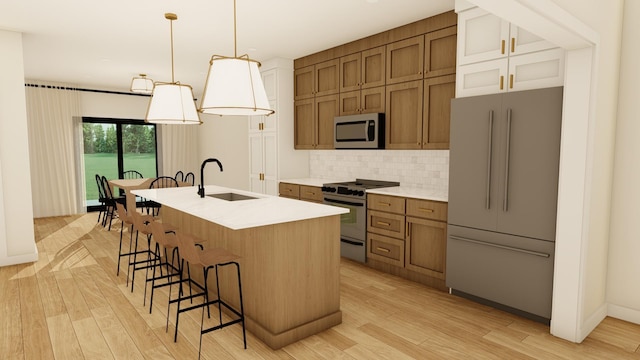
606,19
113,105
17,242
226,139
623,287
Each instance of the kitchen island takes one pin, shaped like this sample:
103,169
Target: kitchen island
290,253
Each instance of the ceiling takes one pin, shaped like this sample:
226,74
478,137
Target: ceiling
102,45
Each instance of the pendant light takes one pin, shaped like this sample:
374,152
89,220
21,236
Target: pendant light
172,103
141,85
234,85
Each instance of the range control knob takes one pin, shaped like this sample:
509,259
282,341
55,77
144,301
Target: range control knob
360,193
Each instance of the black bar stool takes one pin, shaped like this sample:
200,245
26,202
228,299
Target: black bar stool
208,259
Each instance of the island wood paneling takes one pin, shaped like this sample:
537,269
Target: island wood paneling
290,273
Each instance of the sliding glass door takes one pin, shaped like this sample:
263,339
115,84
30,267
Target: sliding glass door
113,146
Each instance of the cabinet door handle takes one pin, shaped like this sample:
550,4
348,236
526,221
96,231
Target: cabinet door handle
501,82
511,81
513,44
502,47
505,204
489,155
384,204
536,253
310,193
425,210
383,223
379,248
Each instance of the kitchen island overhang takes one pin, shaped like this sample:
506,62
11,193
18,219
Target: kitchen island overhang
290,253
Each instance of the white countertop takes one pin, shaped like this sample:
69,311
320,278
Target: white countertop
241,214
310,181
425,194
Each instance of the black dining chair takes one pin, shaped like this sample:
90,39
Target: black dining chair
132,174
179,176
160,182
109,201
190,178
101,199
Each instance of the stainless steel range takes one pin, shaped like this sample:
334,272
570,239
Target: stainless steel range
352,196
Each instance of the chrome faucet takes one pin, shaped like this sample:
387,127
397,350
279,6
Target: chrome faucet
201,185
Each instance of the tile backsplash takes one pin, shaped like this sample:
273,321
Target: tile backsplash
423,169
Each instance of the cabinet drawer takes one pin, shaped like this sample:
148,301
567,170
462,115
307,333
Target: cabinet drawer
310,193
385,203
289,190
385,224
427,209
385,249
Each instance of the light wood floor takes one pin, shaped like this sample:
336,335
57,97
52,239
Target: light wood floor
70,305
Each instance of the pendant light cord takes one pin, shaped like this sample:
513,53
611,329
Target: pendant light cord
235,46
171,32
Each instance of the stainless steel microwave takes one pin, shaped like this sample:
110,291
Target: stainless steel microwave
362,131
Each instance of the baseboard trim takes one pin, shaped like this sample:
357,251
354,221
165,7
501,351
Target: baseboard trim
592,322
624,313
19,259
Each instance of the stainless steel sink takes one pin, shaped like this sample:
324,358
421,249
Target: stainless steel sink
231,196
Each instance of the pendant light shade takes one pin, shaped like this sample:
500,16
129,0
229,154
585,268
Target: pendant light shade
234,85
172,103
141,85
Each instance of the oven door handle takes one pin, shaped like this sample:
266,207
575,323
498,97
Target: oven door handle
343,202
356,243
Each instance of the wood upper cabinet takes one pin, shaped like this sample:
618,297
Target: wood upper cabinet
362,70
438,92
363,101
404,115
405,60
418,112
440,52
362,82
313,123
317,80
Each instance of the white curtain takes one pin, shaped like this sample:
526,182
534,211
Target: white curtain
55,171
178,149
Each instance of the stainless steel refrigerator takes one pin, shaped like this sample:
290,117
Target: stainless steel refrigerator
503,184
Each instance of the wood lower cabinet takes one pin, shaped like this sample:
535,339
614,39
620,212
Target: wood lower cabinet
311,193
289,190
426,246
301,192
408,237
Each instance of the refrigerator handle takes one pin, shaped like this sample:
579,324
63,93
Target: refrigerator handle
488,204
505,204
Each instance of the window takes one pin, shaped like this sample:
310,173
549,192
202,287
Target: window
112,146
